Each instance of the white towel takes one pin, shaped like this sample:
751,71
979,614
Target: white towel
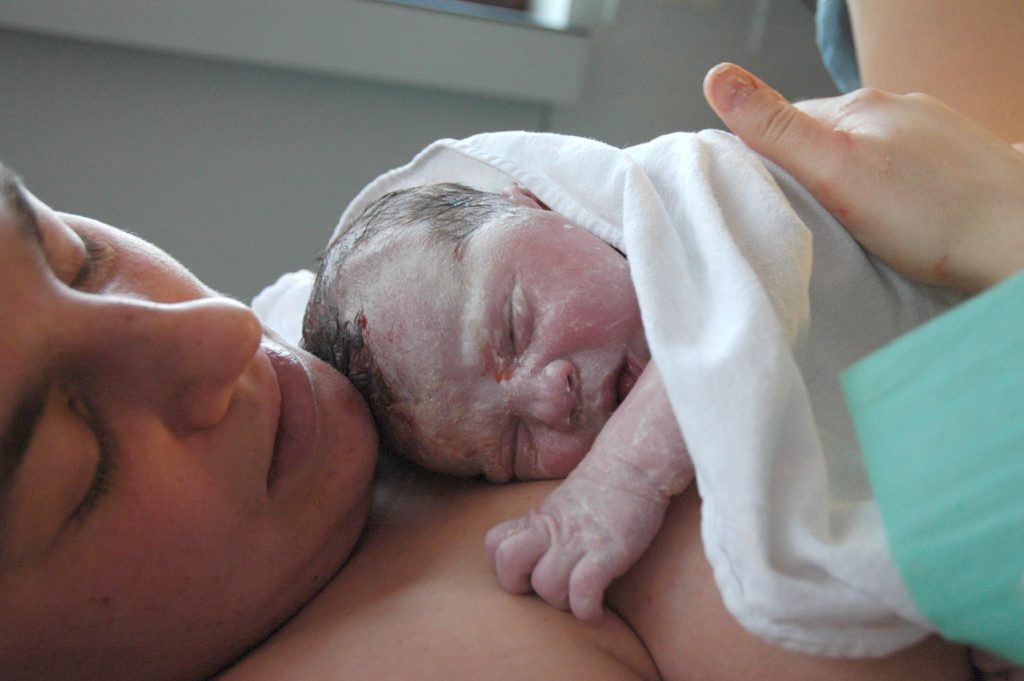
750,338
280,306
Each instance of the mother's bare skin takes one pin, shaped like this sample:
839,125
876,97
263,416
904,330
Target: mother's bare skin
418,600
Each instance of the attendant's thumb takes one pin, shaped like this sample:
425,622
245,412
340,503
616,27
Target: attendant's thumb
767,122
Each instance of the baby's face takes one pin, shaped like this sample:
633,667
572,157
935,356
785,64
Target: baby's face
508,360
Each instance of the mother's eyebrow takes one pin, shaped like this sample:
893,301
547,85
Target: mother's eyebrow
17,436
17,433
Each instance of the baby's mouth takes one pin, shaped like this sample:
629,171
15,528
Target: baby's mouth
626,380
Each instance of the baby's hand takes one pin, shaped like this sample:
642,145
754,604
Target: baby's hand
598,522
587,533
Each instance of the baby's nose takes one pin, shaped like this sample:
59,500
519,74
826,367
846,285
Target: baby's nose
551,396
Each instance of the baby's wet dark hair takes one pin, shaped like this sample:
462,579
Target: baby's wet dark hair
442,217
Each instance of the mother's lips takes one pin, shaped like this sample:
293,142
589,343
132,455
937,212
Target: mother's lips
296,422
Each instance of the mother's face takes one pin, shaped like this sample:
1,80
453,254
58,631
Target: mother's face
173,484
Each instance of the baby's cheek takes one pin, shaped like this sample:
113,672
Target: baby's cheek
461,455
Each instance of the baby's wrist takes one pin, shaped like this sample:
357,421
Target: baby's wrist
621,474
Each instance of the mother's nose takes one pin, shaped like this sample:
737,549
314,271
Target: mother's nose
182,361
550,396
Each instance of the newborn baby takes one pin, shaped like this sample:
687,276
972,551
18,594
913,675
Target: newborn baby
493,337
668,291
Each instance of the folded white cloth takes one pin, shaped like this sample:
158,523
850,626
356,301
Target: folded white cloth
750,324
281,305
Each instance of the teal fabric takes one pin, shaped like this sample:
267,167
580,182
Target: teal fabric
834,37
940,417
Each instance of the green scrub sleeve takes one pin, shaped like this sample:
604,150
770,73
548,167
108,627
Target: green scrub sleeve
940,418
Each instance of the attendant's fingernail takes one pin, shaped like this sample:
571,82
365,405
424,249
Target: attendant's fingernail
731,89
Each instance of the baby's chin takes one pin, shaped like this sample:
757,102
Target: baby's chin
480,463
553,461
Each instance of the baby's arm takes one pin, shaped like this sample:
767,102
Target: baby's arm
601,519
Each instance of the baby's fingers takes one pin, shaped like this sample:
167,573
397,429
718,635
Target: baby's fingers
587,585
551,576
515,547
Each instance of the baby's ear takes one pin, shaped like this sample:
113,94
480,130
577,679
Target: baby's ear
522,196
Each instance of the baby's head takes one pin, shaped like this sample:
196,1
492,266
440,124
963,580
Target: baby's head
489,335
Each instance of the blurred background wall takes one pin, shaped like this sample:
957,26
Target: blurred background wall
240,168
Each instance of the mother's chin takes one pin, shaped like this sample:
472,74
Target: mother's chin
321,504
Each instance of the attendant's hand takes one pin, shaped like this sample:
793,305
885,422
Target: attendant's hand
935,196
